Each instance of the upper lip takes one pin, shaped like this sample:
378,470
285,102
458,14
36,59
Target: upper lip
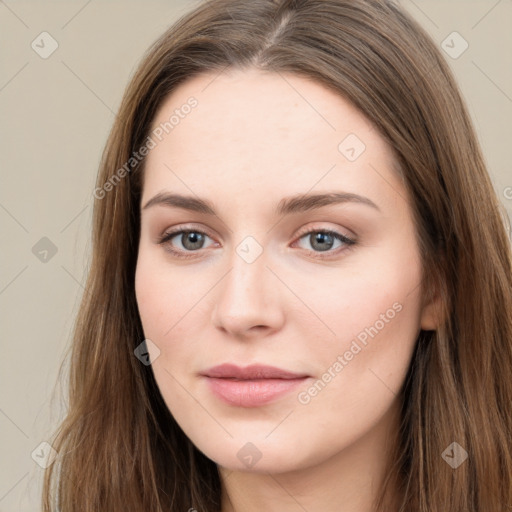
254,371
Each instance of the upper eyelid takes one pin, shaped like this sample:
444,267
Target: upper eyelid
181,229
313,229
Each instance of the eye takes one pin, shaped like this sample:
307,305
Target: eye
190,240
323,240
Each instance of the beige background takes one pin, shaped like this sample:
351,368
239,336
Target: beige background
56,114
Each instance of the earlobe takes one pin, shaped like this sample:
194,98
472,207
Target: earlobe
429,319
432,313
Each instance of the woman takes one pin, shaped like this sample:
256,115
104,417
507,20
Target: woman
300,294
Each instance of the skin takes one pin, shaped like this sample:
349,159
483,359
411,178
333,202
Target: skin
253,139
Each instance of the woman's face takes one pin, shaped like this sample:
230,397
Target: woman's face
279,160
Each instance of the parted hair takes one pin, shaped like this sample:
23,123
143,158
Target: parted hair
119,447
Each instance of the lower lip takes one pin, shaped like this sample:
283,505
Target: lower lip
252,393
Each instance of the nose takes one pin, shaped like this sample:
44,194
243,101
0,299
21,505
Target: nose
247,301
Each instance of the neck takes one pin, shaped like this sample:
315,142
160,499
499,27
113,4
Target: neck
349,481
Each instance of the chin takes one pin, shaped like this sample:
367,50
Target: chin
264,456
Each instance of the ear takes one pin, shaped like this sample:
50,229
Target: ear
432,313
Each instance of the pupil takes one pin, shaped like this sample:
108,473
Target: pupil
321,239
192,240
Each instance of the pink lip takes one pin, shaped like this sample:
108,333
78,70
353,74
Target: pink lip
251,386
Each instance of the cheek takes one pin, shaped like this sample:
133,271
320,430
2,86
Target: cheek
368,320
151,296
359,372
366,313
173,307
163,300
163,296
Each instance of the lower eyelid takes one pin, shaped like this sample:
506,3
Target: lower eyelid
167,237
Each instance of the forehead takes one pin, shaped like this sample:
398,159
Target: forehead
262,105
249,129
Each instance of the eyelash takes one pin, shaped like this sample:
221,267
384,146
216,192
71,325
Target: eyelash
349,242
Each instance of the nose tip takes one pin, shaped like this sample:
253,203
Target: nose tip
246,301
243,327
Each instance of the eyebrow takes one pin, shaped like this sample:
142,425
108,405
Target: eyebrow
288,205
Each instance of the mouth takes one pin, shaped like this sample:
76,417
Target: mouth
251,386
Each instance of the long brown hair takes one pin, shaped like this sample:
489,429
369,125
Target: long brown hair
119,446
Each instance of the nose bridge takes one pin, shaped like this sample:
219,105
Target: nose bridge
247,297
